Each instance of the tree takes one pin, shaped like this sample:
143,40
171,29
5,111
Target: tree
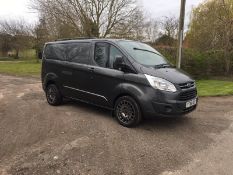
92,18
132,28
152,30
211,28
165,40
41,37
4,43
19,34
169,26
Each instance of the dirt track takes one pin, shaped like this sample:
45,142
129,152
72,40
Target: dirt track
76,138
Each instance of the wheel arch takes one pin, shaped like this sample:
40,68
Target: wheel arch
135,91
125,94
50,78
50,82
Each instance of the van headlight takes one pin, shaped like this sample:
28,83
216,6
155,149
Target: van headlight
161,84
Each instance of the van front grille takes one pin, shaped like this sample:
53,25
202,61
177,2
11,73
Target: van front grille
187,85
188,95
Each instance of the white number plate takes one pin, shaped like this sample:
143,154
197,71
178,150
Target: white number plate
191,103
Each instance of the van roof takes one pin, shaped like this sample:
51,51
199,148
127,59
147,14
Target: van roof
70,40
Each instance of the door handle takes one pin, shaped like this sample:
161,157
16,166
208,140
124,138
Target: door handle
91,69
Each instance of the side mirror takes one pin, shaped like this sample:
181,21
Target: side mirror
119,64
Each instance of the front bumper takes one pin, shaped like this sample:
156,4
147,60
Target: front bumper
165,104
173,108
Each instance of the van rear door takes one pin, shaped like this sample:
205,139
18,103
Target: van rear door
54,64
78,55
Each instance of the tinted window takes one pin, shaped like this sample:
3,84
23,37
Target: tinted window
114,52
78,52
101,54
55,52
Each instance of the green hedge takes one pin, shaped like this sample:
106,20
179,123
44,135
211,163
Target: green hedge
199,64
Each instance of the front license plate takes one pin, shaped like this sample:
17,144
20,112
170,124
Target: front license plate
191,103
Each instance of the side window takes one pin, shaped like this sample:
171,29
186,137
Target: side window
55,52
101,54
114,52
78,52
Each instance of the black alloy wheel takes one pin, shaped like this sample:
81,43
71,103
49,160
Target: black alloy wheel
53,95
127,111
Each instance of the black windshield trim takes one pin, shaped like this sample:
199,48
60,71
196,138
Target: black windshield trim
135,48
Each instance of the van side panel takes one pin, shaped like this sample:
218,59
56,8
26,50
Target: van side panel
106,84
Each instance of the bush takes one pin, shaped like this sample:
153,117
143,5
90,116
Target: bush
199,64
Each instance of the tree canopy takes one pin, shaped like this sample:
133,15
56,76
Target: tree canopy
211,28
92,18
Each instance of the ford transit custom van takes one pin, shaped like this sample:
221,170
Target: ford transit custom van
128,77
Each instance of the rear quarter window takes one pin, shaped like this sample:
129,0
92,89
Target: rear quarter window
55,52
78,52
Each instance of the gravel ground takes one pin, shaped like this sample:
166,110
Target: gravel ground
75,138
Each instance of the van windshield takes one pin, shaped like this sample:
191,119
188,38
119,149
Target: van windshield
143,53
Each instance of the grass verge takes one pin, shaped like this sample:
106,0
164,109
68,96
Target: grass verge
21,68
214,88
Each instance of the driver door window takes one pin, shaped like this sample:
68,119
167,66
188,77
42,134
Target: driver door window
114,53
105,55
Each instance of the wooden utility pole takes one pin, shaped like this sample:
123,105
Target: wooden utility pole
181,33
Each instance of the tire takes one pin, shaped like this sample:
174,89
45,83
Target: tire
127,111
53,95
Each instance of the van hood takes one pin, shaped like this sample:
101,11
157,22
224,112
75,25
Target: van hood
171,74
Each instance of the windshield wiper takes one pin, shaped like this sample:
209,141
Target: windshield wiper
165,65
146,51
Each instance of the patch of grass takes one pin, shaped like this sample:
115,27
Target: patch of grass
21,68
214,88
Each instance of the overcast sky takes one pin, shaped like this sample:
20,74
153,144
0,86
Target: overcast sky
157,8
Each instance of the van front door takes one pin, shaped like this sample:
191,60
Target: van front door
106,81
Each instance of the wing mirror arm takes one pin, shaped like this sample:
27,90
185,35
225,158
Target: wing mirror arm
120,64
